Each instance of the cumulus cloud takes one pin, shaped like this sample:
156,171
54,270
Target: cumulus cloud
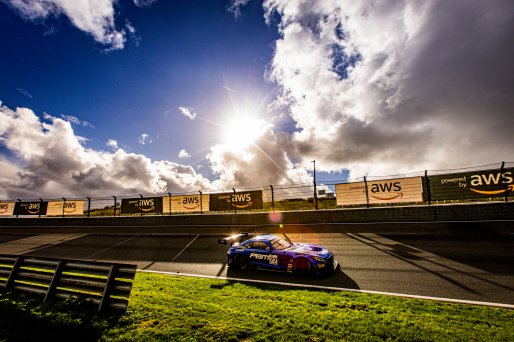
187,112
184,154
144,139
76,121
94,17
113,144
52,162
393,86
235,6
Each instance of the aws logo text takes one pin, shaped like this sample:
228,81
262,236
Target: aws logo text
238,198
492,179
191,203
4,207
70,207
386,187
146,204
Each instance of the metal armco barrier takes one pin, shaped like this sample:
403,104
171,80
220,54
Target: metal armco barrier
107,285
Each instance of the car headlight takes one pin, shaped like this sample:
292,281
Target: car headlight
318,259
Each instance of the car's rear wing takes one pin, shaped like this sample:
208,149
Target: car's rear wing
231,240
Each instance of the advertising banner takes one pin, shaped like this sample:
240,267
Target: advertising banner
6,208
245,200
400,190
186,204
30,208
71,207
474,184
146,205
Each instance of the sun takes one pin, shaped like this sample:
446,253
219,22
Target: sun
243,131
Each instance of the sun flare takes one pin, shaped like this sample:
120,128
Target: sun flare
243,131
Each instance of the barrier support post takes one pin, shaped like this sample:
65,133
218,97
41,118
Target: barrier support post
88,206
201,202
506,196
169,204
429,194
272,198
40,206
114,205
139,205
232,201
19,200
63,205
367,194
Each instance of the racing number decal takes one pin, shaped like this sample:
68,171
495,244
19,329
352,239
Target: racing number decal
272,259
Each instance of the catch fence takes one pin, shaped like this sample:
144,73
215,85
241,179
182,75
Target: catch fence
493,182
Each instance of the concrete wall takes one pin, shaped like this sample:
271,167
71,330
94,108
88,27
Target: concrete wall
439,213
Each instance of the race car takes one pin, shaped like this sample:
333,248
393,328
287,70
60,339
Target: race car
272,252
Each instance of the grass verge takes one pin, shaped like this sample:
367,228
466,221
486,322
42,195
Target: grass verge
194,309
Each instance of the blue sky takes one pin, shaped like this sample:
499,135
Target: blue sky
103,96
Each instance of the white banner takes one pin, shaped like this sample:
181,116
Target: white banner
55,208
185,204
398,190
6,208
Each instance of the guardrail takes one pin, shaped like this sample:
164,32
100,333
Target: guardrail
107,285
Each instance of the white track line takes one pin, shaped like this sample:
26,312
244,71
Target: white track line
111,247
317,287
189,244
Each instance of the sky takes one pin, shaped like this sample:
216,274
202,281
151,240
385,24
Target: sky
102,97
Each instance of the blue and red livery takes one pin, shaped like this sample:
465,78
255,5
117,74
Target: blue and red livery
272,252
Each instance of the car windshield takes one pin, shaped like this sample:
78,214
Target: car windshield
279,243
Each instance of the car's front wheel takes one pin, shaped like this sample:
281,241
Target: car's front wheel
240,262
302,266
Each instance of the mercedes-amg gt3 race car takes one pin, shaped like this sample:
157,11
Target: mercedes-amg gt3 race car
272,252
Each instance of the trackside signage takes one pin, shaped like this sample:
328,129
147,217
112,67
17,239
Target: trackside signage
186,204
66,208
398,190
6,208
240,200
30,208
146,205
475,184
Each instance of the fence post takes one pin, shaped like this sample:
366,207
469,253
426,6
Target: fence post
272,198
40,206
139,205
169,204
201,202
232,201
427,183
114,205
366,189
63,204
14,271
19,200
502,169
55,280
88,206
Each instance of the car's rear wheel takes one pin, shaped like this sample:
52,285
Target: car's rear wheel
302,266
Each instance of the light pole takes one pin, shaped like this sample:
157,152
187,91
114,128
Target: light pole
315,191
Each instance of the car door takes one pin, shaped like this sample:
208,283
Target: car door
260,254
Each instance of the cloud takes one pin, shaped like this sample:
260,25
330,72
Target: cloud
144,3
235,6
50,161
144,139
24,92
187,112
113,144
76,121
393,86
94,17
184,154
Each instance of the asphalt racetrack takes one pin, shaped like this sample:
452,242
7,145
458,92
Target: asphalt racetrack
473,268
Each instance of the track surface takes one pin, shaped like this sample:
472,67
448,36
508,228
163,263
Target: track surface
463,267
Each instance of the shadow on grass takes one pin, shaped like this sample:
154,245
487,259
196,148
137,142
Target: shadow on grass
25,318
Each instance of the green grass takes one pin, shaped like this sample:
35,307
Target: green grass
194,309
